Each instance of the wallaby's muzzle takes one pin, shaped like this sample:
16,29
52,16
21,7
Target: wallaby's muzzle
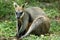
18,14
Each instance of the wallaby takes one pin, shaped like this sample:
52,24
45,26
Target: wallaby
31,20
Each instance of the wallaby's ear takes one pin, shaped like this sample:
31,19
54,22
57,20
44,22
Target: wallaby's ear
23,5
15,4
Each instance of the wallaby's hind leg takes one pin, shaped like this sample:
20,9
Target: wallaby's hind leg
38,21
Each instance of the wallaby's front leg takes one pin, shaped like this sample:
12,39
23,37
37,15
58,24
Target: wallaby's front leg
24,24
18,26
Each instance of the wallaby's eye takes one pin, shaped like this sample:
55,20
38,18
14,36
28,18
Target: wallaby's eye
21,12
16,12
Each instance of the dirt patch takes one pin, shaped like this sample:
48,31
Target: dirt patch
8,38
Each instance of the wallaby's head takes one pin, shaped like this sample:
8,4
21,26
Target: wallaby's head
19,10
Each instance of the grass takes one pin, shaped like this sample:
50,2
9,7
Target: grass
51,37
8,27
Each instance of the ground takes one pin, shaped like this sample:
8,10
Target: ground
8,27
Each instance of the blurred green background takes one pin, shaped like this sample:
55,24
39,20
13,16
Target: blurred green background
8,19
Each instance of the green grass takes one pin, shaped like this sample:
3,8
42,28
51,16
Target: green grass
51,37
8,27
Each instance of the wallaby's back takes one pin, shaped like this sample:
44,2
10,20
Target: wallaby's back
35,12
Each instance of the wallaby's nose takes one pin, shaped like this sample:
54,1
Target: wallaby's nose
18,17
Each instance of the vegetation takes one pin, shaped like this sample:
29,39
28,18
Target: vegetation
8,20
